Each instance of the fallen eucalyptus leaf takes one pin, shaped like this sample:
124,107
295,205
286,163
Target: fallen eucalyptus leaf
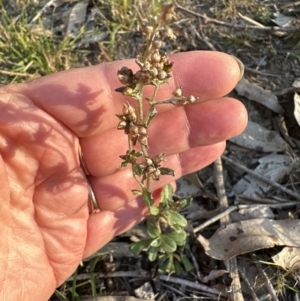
260,139
254,92
288,258
251,213
272,167
247,236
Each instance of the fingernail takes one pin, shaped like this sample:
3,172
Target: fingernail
241,66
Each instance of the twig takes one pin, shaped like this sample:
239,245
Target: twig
249,286
215,218
140,273
287,90
48,4
237,207
231,264
174,290
260,72
281,127
236,26
193,285
250,20
261,178
114,298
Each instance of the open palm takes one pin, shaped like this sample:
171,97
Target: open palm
45,225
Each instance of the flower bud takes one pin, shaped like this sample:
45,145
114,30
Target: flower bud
158,66
142,131
156,174
177,92
143,140
155,57
131,113
143,76
133,129
153,71
167,12
158,159
125,109
148,161
147,29
191,98
162,75
125,75
156,44
122,125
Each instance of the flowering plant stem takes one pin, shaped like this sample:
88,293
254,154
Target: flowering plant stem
165,226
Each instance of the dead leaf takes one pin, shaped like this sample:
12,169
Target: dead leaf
260,139
145,291
256,93
214,274
283,20
247,236
288,258
297,107
76,18
296,83
272,167
251,213
186,188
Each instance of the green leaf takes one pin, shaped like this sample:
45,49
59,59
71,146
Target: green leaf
178,268
153,230
124,164
154,210
138,246
186,262
178,236
167,195
152,254
148,198
166,171
167,266
136,192
137,169
184,203
174,218
156,242
168,244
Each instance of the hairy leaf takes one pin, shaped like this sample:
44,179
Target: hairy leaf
147,197
168,244
179,237
174,218
138,246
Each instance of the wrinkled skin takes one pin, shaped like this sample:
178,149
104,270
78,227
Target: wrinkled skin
45,225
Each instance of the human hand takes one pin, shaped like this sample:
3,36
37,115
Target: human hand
46,228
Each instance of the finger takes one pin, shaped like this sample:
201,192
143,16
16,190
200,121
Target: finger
85,101
114,191
170,132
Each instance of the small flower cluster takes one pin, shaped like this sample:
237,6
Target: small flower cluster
128,123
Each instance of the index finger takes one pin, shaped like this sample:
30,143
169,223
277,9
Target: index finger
85,100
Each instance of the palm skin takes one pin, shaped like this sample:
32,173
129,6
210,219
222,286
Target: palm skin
46,228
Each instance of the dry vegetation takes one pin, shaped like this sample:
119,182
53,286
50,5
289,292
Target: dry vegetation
41,37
